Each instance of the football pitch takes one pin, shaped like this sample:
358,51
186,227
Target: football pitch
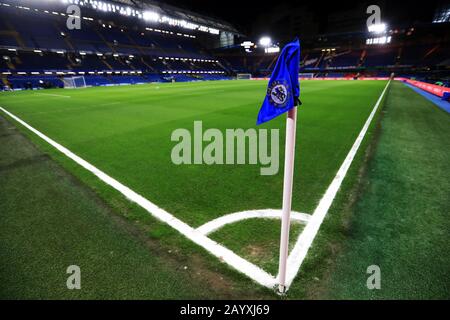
126,133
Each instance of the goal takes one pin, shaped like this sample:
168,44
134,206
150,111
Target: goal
243,76
74,82
307,75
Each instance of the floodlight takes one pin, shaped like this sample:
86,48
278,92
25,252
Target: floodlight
151,16
247,44
265,41
377,28
274,49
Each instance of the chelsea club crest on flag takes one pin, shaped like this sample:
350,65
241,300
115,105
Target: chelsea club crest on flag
278,93
283,91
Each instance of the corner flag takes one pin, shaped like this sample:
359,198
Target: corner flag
283,96
283,90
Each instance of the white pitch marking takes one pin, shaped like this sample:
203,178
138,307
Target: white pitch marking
52,95
218,223
306,238
249,269
108,104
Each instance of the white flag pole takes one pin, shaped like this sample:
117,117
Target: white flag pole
291,123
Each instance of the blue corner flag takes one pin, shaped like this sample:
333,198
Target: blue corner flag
283,91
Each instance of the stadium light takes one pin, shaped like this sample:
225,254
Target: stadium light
150,16
129,11
265,41
377,28
379,40
246,44
274,49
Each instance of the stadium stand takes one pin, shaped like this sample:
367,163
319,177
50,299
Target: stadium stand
38,49
103,46
375,57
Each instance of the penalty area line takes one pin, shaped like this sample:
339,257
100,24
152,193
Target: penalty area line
52,95
226,255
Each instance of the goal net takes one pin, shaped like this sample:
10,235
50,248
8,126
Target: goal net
74,82
243,76
306,75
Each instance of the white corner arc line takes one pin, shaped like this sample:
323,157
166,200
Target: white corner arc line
306,238
240,264
220,222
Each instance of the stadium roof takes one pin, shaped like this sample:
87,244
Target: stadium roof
180,13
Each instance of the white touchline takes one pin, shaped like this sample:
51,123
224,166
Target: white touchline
306,238
224,254
198,235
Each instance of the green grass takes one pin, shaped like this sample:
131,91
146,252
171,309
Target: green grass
257,247
50,221
125,131
401,221
130,140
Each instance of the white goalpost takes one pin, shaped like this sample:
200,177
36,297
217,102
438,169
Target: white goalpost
243,76
306,75
74,82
